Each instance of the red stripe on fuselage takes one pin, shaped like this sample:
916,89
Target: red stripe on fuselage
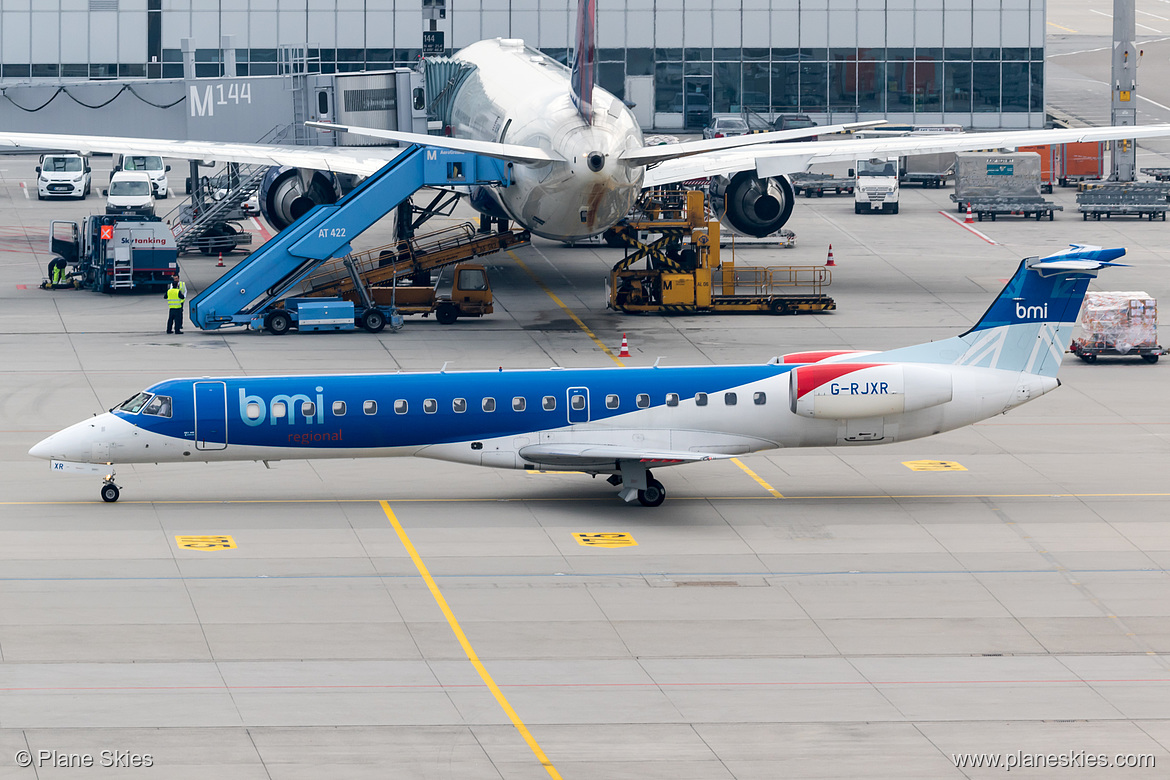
809,378
816,357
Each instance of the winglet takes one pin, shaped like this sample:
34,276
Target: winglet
584,58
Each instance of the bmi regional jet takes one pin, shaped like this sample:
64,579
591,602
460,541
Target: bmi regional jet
620,422
577,153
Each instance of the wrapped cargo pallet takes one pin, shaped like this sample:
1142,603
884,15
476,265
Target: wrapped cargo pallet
1118,321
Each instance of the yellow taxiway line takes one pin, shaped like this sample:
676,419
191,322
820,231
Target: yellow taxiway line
760,480
466,645
540,283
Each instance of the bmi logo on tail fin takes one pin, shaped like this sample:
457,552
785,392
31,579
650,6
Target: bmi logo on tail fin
584,59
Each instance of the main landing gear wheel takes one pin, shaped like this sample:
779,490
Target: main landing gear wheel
110,492
653,495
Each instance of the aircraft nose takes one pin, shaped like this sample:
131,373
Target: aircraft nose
44,448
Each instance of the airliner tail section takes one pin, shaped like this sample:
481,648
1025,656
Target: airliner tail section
584,59
1028,327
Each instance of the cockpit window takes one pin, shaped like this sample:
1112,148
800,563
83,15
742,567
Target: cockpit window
159,407
135,404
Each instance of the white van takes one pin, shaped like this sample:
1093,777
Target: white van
63,176
130,192
153,165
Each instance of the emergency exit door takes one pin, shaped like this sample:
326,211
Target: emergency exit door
210,416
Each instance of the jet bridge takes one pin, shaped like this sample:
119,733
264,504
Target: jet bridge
246,294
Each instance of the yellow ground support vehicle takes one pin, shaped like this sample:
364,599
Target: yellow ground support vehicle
470,296
683,272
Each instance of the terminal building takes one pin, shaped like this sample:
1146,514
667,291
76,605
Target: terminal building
976,63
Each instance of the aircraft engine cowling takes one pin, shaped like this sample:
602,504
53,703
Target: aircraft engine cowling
287,193
751,206
845,391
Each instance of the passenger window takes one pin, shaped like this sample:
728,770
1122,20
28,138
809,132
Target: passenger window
401,406
759,399
159,407
339,408
700,399
672,399
549,404
459,405
488,404
279,410
730,399
611,402
518,404
643,401
308,409
370,407
577,402
430,405
253,411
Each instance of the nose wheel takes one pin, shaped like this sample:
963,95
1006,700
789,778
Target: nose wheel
110,491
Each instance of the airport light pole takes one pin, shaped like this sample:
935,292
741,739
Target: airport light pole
1124,87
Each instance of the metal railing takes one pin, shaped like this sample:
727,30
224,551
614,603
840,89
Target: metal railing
765,280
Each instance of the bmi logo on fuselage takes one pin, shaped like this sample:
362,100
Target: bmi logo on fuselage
254,410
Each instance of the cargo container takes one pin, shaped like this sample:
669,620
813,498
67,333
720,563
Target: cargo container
1049,160
1081,161
1118,323
982,175
929,170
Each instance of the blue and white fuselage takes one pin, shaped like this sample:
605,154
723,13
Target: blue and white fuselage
618,421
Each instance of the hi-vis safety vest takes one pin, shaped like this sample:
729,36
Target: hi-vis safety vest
174,299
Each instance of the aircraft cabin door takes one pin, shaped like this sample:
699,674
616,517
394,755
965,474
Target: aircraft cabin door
578,406
210,416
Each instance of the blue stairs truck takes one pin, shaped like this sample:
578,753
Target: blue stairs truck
253,293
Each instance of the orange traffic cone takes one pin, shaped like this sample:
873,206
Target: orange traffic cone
625,347
830,260
970,220
220,263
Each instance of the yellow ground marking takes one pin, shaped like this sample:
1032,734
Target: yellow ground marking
932,465
465,644
1061,27
566,309
759,480
217,542
611,539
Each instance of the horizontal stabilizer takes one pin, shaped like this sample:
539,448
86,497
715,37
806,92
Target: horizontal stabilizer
1080,257
510,152
651,154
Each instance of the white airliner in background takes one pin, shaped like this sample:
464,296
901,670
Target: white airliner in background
620,422
579,159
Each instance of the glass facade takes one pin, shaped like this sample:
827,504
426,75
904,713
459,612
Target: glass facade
970,62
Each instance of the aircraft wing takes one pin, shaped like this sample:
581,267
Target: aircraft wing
584,455
782,159
652,154
511,152
362,161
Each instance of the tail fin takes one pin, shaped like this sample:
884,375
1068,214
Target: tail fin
584,59
1029,325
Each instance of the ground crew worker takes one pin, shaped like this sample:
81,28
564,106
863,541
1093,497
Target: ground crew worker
174,298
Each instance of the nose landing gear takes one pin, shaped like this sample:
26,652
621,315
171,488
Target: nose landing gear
110,491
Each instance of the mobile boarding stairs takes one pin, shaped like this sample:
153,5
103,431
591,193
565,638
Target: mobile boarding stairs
249,294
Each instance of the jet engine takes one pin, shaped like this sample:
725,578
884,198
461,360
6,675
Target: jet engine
287,193
844,391
751,206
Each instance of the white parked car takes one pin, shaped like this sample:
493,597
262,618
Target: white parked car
725,127
130,192
153,165
63,176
